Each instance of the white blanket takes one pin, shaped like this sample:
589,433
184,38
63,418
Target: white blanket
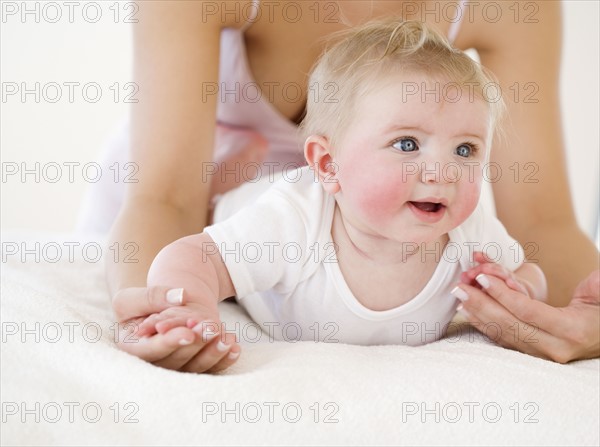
65,383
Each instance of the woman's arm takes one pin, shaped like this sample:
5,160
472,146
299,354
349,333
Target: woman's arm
535,205
172,134
173,124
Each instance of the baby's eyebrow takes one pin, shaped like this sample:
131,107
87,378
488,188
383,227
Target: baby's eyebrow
397,127
470,135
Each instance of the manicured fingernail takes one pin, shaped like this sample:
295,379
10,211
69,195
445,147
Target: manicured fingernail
184,342
175,296
222,346
233,355
461,310
460,294
206,330
208,335
483,280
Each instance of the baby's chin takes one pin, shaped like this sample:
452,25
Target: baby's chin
428,239
419,236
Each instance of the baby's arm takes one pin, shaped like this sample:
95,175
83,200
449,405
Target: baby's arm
528,278
532,277
194,264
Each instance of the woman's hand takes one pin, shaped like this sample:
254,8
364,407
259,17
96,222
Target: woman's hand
180,348
488,267
533,327
175,344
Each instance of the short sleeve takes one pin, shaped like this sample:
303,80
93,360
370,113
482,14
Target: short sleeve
264,246
482,231
498,245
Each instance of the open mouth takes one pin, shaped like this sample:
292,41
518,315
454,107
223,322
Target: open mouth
428,212
429,207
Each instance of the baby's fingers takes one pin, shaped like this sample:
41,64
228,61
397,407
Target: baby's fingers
494,269
148,326
481,257
166,325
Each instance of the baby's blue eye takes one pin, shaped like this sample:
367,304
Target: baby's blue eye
464,150
405,145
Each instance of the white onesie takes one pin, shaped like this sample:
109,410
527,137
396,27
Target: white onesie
281,259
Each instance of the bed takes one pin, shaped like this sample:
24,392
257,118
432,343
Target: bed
64,382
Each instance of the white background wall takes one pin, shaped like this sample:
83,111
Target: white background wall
100,52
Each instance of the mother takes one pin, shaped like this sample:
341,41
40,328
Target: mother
179,47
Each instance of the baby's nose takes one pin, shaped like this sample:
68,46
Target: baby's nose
439,172
431,172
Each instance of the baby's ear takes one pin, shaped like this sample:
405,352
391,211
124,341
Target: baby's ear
317,152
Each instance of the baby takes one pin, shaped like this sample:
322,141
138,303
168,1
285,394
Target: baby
366,244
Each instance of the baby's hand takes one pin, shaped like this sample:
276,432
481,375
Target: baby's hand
205,322
489,267
209,349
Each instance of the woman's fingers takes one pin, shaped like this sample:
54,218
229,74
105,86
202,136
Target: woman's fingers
498,324
533,327
214,357
547,318
227,360
182,348
481,307
136,302
187,350
157,347
179,344
208,352
515,321
515,335
508,278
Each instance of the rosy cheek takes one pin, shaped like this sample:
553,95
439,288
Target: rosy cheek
465,202
374,186
381,199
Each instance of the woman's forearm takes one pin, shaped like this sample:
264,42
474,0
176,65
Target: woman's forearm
565,255
176,54
141,230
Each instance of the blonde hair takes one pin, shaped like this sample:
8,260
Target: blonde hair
360,57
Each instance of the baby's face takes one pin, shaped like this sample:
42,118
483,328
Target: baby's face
401,149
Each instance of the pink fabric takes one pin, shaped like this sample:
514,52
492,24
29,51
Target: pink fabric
242,103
